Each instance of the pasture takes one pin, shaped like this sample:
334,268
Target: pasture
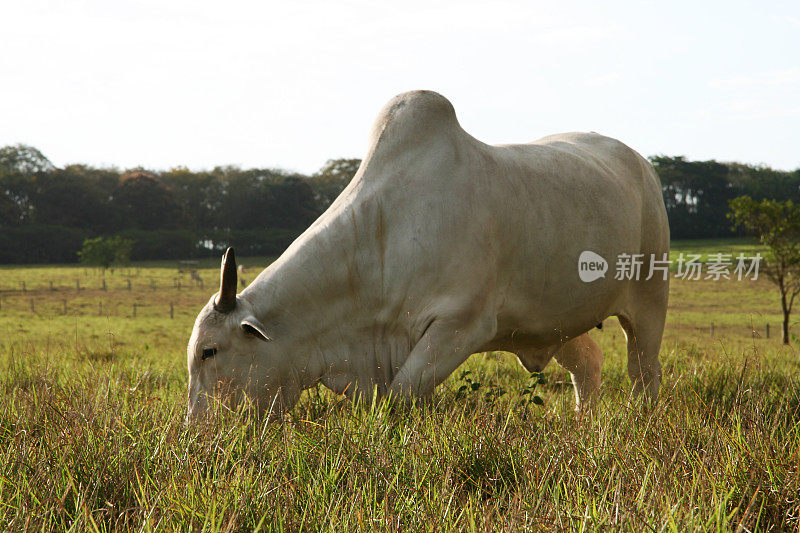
93,397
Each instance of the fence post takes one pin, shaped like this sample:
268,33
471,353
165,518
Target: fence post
104,283
77,285
33,306
23,287
768,331
51,287
171,310
129,284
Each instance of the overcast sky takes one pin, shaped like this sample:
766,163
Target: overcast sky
291,84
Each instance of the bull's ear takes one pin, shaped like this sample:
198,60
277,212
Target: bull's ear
253,326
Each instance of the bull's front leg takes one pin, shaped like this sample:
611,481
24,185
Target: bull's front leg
446,344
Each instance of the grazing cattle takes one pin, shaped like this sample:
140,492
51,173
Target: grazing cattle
243,282
440,247
196,278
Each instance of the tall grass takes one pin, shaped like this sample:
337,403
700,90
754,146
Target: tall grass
100,446
92,433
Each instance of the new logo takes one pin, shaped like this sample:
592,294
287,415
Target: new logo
591,266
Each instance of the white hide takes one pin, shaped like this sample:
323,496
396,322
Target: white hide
440,247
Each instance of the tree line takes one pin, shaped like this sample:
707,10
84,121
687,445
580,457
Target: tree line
46,212
697,193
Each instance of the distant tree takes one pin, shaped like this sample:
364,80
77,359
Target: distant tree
696,195
106,251
762,182
144,203
294,205
23,158
18,192
198,195
264,198
246,201
9,212
66,198
777,225
105,179
331,180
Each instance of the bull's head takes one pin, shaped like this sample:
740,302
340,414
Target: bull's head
229,353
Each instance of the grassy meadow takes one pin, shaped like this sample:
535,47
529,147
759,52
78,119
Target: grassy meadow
93,396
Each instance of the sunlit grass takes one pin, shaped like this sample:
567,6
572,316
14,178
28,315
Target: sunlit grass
92,433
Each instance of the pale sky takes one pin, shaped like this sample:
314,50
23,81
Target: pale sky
162,83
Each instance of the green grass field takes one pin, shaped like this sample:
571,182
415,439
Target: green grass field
93,395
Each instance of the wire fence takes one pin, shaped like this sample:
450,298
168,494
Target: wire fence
65,307
103,297
78,285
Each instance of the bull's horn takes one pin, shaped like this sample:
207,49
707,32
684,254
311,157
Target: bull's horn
226,299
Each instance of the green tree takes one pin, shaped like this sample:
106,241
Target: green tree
761,181
106,179
331,180
256,199
106,251
777,225
23,158
145,203
18,192
197,194
696,195
65,198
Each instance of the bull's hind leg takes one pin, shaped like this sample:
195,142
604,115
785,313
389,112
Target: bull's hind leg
643,323
583,359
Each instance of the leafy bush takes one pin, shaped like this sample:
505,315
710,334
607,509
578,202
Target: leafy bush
106,251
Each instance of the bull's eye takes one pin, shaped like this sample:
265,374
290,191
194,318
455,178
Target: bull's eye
209,352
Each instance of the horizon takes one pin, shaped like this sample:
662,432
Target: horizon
123,170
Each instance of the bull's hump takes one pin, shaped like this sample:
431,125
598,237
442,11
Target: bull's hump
413,116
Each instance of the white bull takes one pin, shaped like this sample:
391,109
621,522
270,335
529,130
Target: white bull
440,247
